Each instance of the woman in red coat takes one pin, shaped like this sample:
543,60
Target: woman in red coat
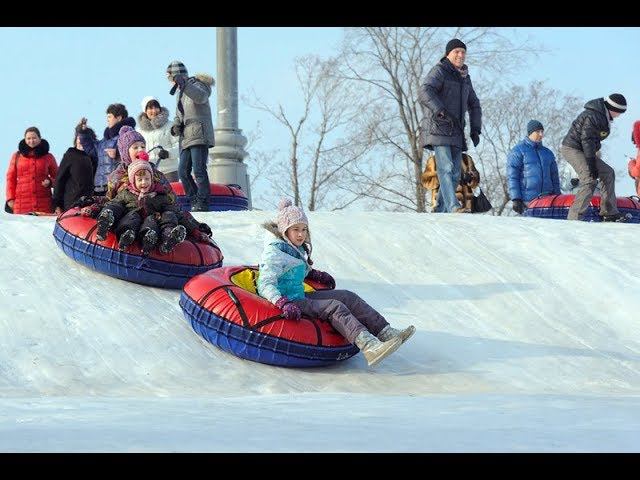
634,164
32,171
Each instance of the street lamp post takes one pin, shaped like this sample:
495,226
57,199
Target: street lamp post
227,156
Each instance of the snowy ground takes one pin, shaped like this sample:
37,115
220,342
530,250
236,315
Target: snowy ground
528,341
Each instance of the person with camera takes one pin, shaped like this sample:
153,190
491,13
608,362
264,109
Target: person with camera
162,147
532,170
445,97
194,127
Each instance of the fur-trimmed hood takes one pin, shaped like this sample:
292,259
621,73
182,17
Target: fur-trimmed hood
205,78
147,124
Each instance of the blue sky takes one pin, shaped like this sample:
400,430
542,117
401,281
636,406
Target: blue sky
53,76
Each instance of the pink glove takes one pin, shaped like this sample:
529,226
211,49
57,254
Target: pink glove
322,277
290,310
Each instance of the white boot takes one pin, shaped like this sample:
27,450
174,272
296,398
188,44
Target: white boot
373,349
389,332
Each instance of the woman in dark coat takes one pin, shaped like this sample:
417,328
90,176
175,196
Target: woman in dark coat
77,170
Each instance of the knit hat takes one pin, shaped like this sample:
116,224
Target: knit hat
455,43
137,166
616,103
127,137
176,67
146,100
534,126
289,215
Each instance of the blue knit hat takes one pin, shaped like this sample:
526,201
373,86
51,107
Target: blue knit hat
534,126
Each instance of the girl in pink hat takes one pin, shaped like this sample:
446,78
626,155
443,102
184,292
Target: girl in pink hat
286,263
144,210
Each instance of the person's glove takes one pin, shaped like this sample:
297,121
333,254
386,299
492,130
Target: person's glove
518,206
290,310
162,154
475,138
442,114
180,80
176,130
206,229
142,156
84,201
593,171
322,277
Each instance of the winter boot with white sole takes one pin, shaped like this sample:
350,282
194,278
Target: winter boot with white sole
389,332
373,349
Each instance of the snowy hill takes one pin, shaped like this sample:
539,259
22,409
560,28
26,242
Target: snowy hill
528,340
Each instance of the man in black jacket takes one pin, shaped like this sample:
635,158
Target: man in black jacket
445,96
581,148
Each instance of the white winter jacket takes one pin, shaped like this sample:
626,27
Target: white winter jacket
158,132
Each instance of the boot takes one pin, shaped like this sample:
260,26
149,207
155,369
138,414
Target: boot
373,349
389,332
105,220
149,240
126,239
172,237
616,217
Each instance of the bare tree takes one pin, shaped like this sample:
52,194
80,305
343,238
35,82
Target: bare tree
321,145
506,111
389,65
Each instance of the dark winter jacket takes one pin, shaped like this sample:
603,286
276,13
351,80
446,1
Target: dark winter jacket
531,171
150,204
444,88
74,179
589,128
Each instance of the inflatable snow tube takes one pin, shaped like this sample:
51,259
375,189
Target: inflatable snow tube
221,197
557,206
224,309
75,235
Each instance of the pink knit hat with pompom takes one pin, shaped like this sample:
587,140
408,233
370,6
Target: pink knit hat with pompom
288,215
135,167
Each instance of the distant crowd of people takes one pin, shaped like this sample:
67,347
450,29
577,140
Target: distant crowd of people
447,95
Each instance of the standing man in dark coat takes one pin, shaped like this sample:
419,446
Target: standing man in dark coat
581,148
445,96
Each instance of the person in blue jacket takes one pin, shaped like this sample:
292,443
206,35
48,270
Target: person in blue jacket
532,170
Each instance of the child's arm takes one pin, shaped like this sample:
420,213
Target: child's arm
271,267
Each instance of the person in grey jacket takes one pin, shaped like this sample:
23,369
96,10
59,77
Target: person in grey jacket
581,148
194,127
445,96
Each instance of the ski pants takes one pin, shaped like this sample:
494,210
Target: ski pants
587,185
346,311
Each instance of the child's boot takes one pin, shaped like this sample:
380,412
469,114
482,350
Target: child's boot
172,237
126,239
373,349
149,240
105,220
389,332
